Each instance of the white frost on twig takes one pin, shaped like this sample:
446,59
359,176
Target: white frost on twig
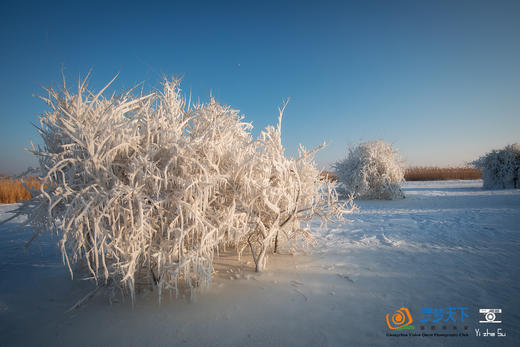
149,189
372,170
500,168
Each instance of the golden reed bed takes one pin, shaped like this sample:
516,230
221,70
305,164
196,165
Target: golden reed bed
430,174
12,191
441,174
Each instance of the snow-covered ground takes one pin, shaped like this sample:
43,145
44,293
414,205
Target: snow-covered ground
449,244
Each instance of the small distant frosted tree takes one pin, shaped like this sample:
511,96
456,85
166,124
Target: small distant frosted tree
149,189
500,168
372,170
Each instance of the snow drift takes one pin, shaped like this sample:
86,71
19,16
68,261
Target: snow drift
148,189
372,170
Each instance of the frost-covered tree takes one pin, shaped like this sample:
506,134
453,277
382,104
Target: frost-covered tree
372,170
149,188
500,168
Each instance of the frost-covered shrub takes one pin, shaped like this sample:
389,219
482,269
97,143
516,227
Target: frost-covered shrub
150,189
500,168
372,170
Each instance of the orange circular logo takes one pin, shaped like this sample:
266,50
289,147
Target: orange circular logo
401,319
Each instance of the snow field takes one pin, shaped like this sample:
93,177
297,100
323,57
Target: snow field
448,244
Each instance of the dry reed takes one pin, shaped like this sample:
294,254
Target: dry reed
12,191
440,174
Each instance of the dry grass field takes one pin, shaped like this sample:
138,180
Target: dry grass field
440,174
429,174
329,175
12,191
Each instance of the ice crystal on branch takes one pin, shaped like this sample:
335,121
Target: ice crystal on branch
149,189
372,170
500,168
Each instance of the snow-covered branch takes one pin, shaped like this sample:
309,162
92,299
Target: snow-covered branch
500,168
372,170
148,188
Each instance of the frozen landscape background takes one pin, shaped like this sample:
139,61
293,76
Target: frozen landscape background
448,244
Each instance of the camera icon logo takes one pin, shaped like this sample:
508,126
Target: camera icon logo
490,315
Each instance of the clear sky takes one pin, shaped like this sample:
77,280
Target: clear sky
439,79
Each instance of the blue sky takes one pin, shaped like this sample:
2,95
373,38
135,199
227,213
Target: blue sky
439,79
